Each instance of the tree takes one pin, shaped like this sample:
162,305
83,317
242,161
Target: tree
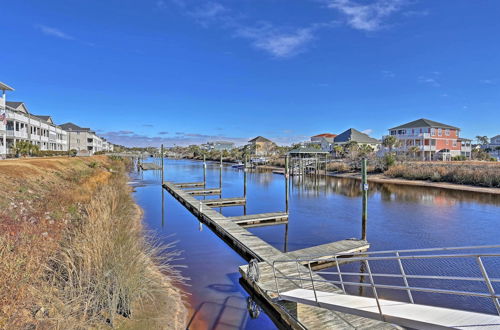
339,150
25,148
482,140
413,150
390,142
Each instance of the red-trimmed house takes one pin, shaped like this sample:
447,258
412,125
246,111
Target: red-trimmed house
325,140
433,140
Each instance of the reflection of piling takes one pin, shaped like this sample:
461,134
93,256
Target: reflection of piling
364,182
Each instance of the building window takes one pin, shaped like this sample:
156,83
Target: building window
440,132
454,143
433,131
447,132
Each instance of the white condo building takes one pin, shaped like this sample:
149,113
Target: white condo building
18,124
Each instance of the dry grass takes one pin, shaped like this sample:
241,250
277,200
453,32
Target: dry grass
476,174
72,251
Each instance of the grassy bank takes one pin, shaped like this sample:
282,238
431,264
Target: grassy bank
476,174
73,253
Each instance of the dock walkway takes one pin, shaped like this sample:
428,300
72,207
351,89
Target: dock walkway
251,247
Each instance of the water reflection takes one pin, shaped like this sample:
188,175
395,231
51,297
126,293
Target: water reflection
322,210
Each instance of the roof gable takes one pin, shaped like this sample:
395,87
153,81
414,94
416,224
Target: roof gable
425,123
19,106
260,139
72,127
354,135
46,118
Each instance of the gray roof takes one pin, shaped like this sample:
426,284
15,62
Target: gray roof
260,139
424,123
73,127
46,118
354,135
307,150
13,104
5,87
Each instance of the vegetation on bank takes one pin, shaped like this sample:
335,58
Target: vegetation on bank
477,174
73,253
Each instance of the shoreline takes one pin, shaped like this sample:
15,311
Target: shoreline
381,178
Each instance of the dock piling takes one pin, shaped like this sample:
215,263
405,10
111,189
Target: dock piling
204,171
162,165
286,184
364,182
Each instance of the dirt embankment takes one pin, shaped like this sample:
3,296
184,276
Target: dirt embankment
73,253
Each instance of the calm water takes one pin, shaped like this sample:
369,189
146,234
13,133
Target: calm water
321,211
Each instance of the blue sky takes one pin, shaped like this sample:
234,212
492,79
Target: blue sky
144,72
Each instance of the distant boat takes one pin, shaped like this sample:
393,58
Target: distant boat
240,165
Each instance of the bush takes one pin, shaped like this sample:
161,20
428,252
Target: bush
486,175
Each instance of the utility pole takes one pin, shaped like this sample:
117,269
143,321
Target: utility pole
364,183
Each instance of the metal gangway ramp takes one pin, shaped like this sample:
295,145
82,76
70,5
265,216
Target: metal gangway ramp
459,274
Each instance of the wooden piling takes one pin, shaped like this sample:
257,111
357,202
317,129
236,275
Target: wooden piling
364,187
286,184
162,165
204,171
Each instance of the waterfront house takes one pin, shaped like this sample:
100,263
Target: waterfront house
434,140
493,147
262,146
353,135
325,141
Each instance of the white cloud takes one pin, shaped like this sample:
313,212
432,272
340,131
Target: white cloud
487,81
50,31
208,13
367,131
276,42
366,17
388,74
432,79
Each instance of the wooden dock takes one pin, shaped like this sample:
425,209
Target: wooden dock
288,314
189,184
150,166
259,220
328,251
204,191
224,202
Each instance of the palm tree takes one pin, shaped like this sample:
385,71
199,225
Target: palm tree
413,150
390,142
339,150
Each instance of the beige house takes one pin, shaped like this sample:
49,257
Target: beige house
262,146
84,140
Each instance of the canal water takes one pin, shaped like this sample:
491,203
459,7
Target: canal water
322,210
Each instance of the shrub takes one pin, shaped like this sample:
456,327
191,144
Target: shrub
487,175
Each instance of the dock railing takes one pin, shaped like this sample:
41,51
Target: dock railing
400,260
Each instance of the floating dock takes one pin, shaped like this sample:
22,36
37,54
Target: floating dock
149,166
204,191
224,202
262,219
190,184
263,285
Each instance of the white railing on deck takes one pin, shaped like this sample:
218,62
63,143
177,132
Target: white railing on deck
306,279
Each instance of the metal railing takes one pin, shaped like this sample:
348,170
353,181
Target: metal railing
308,279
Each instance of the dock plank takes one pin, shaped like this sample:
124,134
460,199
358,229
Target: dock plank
189,184
204,191
225,202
